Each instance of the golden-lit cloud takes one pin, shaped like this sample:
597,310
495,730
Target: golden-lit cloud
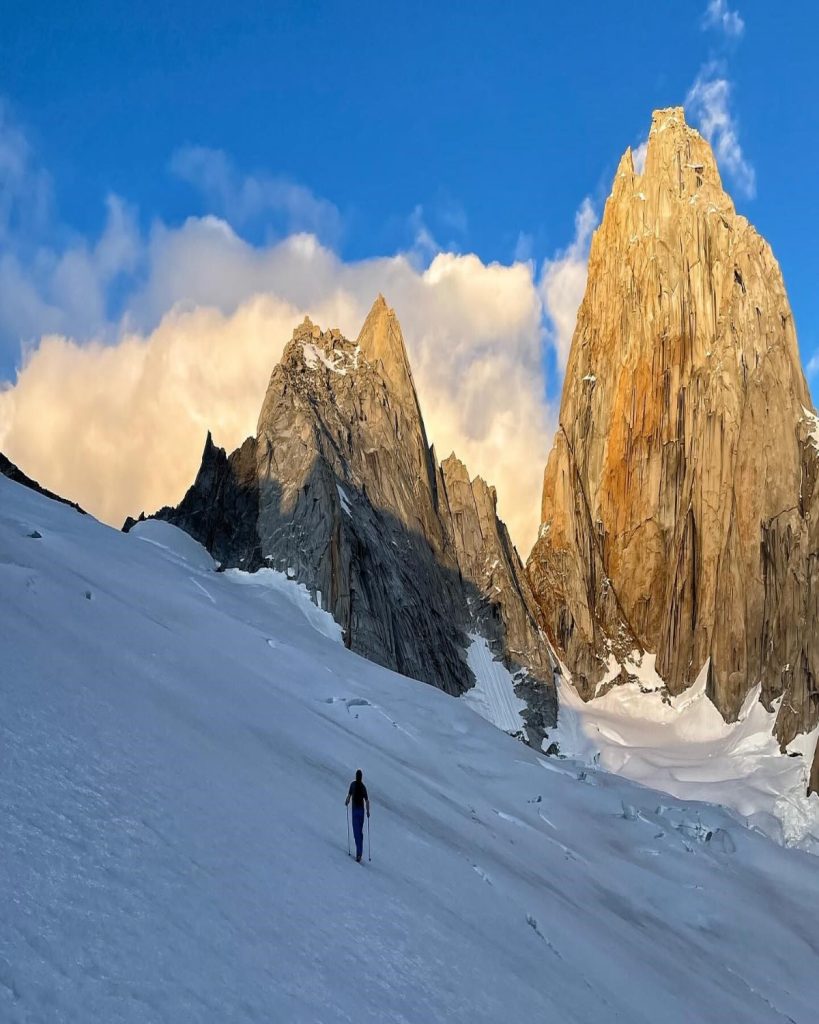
119,426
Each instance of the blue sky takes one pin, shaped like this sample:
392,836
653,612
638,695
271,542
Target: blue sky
381,128
495,119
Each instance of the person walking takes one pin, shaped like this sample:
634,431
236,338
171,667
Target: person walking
358,794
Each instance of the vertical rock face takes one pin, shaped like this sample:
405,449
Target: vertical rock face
348,501
506,612
679,500
487,558
341,490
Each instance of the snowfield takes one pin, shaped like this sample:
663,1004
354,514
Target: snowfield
683,746
176,745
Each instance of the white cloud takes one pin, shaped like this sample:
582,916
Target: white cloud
719,16
243,199
709,102
44,290
563,281
134,344
120,427
813,365
25,190
424,244
46,287
638,156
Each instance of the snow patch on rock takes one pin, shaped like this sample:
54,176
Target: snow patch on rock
313,355
345,501
813,426
493,695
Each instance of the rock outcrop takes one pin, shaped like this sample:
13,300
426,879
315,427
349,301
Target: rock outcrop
506,614
680,505
221,508
341,490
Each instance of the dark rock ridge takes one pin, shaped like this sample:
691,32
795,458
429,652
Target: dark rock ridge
680,501
7,468
341,490
221,508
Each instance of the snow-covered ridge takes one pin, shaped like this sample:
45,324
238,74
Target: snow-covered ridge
176,746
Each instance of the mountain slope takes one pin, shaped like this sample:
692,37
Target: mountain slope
679,502
341,490
8,469
177,746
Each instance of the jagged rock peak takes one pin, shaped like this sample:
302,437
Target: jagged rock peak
455,472
679,162
313,348
679,499
382,342
340,489
454,468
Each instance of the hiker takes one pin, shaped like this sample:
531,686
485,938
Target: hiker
358,794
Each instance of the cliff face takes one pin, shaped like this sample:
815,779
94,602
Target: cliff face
348,501
506,611
679,501
340,489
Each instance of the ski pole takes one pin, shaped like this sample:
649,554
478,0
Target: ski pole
369,837
347,810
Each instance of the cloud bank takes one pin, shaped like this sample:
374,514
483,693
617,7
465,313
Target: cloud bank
119,426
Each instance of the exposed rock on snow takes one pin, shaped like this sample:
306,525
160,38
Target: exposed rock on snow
341,490
506,616
680,507
221,509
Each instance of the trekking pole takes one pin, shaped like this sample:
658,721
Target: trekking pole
369,837
347,809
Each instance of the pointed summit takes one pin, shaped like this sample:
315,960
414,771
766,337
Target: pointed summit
340,490
676,514
679,158
381,341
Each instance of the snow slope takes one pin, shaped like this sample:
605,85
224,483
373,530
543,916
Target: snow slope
683,746
175,747
493,696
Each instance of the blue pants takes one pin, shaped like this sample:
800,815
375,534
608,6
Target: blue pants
358,830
